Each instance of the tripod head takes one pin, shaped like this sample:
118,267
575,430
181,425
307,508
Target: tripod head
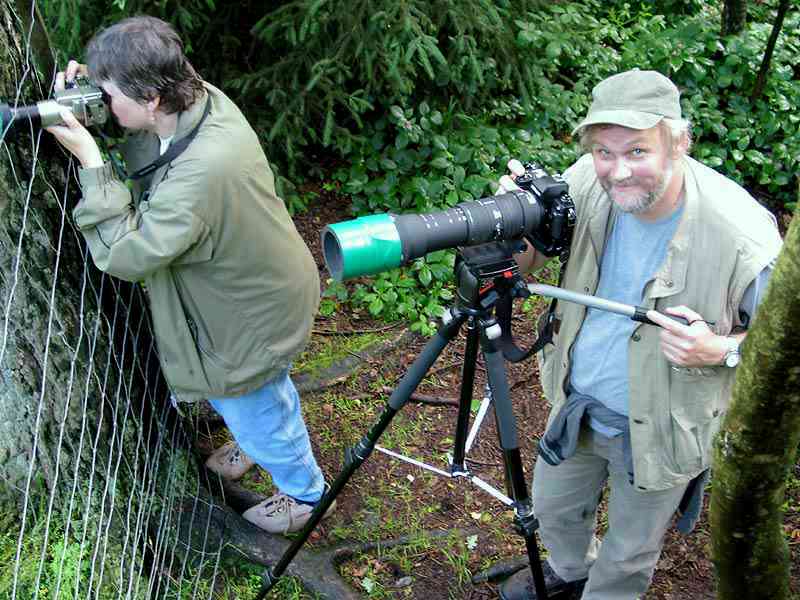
488,279
488,272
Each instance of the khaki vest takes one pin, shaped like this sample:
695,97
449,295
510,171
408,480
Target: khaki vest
723,241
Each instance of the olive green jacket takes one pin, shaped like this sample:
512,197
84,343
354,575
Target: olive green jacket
233,289
723,241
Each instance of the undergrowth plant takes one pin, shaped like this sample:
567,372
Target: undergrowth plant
418,158
418,105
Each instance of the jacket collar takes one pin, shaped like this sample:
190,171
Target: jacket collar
189,118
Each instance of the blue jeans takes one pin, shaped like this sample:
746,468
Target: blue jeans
268,425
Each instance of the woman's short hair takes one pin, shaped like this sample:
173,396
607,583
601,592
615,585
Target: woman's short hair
144,57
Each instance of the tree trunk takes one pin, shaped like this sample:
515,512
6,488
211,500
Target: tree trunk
757,446
734,16
99,491
761,80
78,469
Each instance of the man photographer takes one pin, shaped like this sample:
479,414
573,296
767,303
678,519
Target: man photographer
232,287
654,228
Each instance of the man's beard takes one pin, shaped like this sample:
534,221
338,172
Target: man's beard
644,202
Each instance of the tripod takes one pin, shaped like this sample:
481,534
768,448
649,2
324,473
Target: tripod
485,274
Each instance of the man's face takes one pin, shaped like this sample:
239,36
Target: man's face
633,166
130,113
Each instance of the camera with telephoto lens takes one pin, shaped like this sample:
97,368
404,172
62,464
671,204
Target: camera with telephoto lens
86,101
540,211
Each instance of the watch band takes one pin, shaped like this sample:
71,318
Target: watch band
732,357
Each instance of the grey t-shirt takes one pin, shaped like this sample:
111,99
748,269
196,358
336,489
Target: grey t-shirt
634,252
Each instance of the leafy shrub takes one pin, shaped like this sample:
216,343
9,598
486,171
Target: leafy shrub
421,160
416,106
755,142
333,69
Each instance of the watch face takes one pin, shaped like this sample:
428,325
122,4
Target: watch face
732,359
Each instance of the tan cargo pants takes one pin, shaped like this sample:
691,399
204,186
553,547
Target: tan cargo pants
565,502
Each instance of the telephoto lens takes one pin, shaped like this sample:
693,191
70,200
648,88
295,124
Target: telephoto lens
541,210
376,243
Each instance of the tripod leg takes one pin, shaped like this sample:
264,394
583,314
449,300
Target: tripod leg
465,399
355,457
524,519
482,410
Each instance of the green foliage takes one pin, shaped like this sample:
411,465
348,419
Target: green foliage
418,159
756,143
52,566
73,22
416,106
333,69
422,159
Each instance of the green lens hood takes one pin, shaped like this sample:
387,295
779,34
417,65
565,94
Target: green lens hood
362,246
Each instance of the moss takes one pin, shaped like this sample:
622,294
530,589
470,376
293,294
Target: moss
323,351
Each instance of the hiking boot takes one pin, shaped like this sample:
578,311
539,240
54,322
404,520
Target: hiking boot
520,586
282,514
229,461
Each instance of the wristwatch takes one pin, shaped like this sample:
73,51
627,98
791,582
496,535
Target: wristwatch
731,357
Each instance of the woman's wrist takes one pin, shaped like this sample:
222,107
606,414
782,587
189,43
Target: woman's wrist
92,161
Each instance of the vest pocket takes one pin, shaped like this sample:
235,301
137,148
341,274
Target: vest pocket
545,357
694,401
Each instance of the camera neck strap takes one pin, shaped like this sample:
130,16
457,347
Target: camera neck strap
174,150
546,327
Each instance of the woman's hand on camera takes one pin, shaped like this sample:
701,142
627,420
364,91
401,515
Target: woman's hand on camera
74,69
77,139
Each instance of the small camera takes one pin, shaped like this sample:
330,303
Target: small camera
86,101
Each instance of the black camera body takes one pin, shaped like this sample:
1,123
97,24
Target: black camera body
553,235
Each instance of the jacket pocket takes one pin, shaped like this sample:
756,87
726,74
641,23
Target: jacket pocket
205,347
694,410
547,327
181,360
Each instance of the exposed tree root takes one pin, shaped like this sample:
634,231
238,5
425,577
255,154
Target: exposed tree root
221,527
433,400
316,381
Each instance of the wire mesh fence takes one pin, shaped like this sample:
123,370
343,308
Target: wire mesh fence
97,480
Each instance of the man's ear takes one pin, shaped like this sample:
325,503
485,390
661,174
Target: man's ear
681,146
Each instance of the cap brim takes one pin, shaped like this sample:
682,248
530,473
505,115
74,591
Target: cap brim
625,118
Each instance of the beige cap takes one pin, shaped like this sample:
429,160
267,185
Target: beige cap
635,99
